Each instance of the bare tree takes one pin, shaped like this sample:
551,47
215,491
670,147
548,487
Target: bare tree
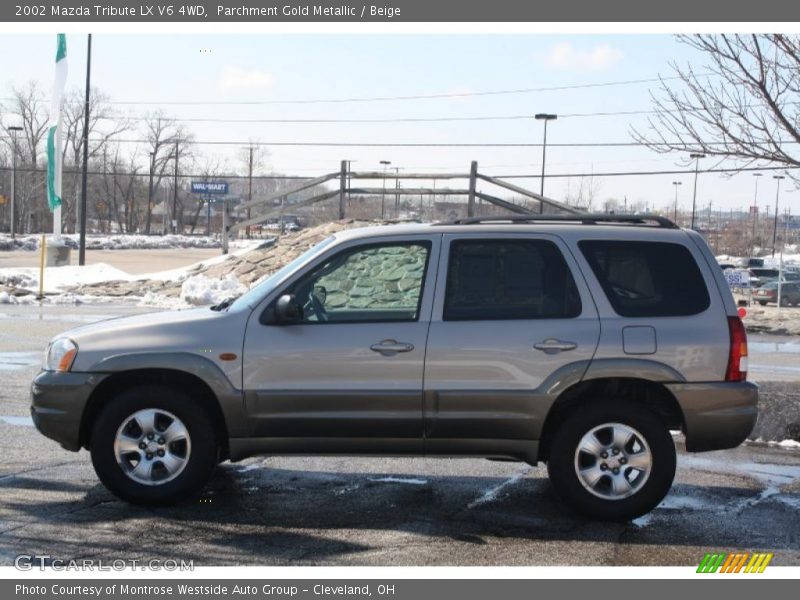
164,138
104,126
584,194
29,113
211,169
744,104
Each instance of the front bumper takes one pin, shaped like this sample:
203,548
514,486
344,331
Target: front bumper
716,415
57,404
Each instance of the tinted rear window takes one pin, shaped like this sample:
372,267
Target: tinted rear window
509,279
647,279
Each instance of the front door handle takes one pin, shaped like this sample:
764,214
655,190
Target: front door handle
553,346
389,347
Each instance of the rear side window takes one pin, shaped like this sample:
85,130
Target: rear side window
647,279
508,279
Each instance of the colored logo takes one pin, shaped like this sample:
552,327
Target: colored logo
736,562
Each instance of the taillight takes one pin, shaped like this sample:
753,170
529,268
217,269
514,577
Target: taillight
737,357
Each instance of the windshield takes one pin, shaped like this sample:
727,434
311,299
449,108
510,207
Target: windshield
257,293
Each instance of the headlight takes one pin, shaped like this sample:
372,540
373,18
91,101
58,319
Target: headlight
60,355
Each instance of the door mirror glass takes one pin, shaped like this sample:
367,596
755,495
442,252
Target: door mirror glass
288,310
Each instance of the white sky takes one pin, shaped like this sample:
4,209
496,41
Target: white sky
163,69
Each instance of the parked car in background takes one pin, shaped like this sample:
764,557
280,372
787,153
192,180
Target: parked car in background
762,275
751,262
790,293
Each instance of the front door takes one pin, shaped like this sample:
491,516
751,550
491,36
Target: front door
347,377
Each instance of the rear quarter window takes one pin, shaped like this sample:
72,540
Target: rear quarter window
647,279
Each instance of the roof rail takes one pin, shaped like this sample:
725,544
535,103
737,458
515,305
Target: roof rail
583,219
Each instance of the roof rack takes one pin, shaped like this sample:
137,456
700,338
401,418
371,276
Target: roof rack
583,219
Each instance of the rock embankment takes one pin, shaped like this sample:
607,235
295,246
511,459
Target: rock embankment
248,268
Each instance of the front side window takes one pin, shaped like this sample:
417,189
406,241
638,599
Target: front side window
647,279
375,283
509,279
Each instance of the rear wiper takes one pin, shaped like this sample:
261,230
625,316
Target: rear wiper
225,303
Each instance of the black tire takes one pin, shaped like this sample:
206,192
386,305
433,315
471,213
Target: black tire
201,460
785,302
762,303
561,465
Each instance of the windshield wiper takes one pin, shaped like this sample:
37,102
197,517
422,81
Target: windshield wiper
225,303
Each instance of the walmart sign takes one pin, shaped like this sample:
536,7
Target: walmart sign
210,187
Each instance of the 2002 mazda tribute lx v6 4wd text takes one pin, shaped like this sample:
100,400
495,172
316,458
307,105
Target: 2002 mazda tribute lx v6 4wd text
578,341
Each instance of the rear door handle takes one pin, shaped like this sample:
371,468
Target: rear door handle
553,346
387,347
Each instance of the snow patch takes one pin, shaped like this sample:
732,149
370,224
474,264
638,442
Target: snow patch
200,290
400,480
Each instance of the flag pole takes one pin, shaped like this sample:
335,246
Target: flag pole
54,143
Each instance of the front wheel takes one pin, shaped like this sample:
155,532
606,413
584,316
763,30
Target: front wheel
153,445
614,460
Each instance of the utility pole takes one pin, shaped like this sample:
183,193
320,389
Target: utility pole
544,117
85,173
175,192
13,228
150,192
696,157
675,212
249,189
385,164
775,226
755,215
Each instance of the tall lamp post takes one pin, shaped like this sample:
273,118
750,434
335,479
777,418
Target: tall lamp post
544,117
696,156
385,164
14,129
675,211
777,195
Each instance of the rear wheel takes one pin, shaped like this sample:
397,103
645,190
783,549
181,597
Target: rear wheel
762,302
153,445
615,460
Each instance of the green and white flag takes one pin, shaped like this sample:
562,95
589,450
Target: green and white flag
54,146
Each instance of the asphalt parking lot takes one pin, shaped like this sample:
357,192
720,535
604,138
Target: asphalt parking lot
367,511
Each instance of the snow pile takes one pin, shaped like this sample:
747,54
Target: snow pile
57,279
122,242
199,289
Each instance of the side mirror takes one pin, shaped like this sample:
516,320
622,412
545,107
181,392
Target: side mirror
287,310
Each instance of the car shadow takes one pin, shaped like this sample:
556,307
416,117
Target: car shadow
264,515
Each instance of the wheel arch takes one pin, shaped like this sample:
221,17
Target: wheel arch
190,383
651,394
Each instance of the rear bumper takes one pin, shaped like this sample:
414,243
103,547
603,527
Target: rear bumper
716,415
57,404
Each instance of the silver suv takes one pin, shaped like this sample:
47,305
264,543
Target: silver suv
581,342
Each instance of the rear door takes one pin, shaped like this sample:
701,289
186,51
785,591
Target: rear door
512,314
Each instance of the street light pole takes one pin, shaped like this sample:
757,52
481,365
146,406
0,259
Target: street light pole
13,228
385,164
544,117
675,212
775,226
85,172
696,157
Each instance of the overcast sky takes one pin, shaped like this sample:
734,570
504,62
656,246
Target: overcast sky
162,69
